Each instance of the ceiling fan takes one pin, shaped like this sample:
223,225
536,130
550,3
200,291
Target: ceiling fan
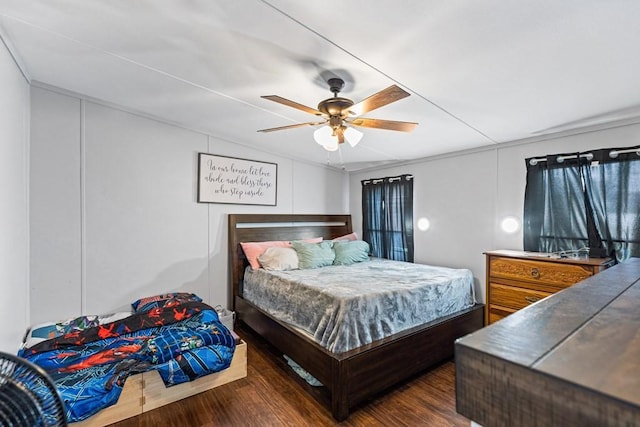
341,114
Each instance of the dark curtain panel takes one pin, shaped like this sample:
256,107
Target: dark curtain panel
387,209
373,218
587,200
554,208
613,188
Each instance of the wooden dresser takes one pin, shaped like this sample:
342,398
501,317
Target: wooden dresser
516,279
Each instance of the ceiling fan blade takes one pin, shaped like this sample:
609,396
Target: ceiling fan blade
384,124
289,103
297,125
386,96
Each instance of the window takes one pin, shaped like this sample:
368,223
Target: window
584,200
387,217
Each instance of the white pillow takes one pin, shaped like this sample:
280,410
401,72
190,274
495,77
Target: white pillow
279,258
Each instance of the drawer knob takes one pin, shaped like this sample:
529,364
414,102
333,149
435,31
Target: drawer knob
531,300
535,273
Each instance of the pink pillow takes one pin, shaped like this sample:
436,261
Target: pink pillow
252,250
350,236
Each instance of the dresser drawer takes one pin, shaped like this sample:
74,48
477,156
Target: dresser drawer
549,273
498,313
513,297
516,279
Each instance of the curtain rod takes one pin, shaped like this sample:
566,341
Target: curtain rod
589,156
389,179
613,154
560,159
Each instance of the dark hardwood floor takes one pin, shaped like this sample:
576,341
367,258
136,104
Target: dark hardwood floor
273,395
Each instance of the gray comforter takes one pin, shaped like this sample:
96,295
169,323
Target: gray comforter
344,307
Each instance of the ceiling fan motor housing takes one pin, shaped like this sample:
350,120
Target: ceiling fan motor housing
335,106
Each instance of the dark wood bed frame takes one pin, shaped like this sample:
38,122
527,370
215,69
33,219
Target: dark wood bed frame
359,374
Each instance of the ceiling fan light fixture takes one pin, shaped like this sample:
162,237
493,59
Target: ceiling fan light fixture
324,135
353,136
332,145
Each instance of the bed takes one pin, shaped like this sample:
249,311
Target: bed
111,367
349,374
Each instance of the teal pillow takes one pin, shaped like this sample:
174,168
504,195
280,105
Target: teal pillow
314,255
349,252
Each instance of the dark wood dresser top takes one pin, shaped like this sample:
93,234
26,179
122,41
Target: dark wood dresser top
573,357
548,257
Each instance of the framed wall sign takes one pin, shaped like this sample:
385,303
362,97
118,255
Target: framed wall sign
236,181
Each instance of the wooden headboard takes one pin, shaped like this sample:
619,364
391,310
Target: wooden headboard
260,228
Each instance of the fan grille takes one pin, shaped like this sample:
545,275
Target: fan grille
27,395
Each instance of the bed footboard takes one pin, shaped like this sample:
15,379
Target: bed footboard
358,375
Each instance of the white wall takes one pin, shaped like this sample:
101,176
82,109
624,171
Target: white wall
465,196
116,217
54,205
113,211
14,210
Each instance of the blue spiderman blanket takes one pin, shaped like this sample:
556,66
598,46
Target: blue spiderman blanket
182,341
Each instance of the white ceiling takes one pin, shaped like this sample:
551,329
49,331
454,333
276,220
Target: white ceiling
480,72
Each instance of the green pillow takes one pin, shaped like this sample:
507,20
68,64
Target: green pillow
349,252
314,255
